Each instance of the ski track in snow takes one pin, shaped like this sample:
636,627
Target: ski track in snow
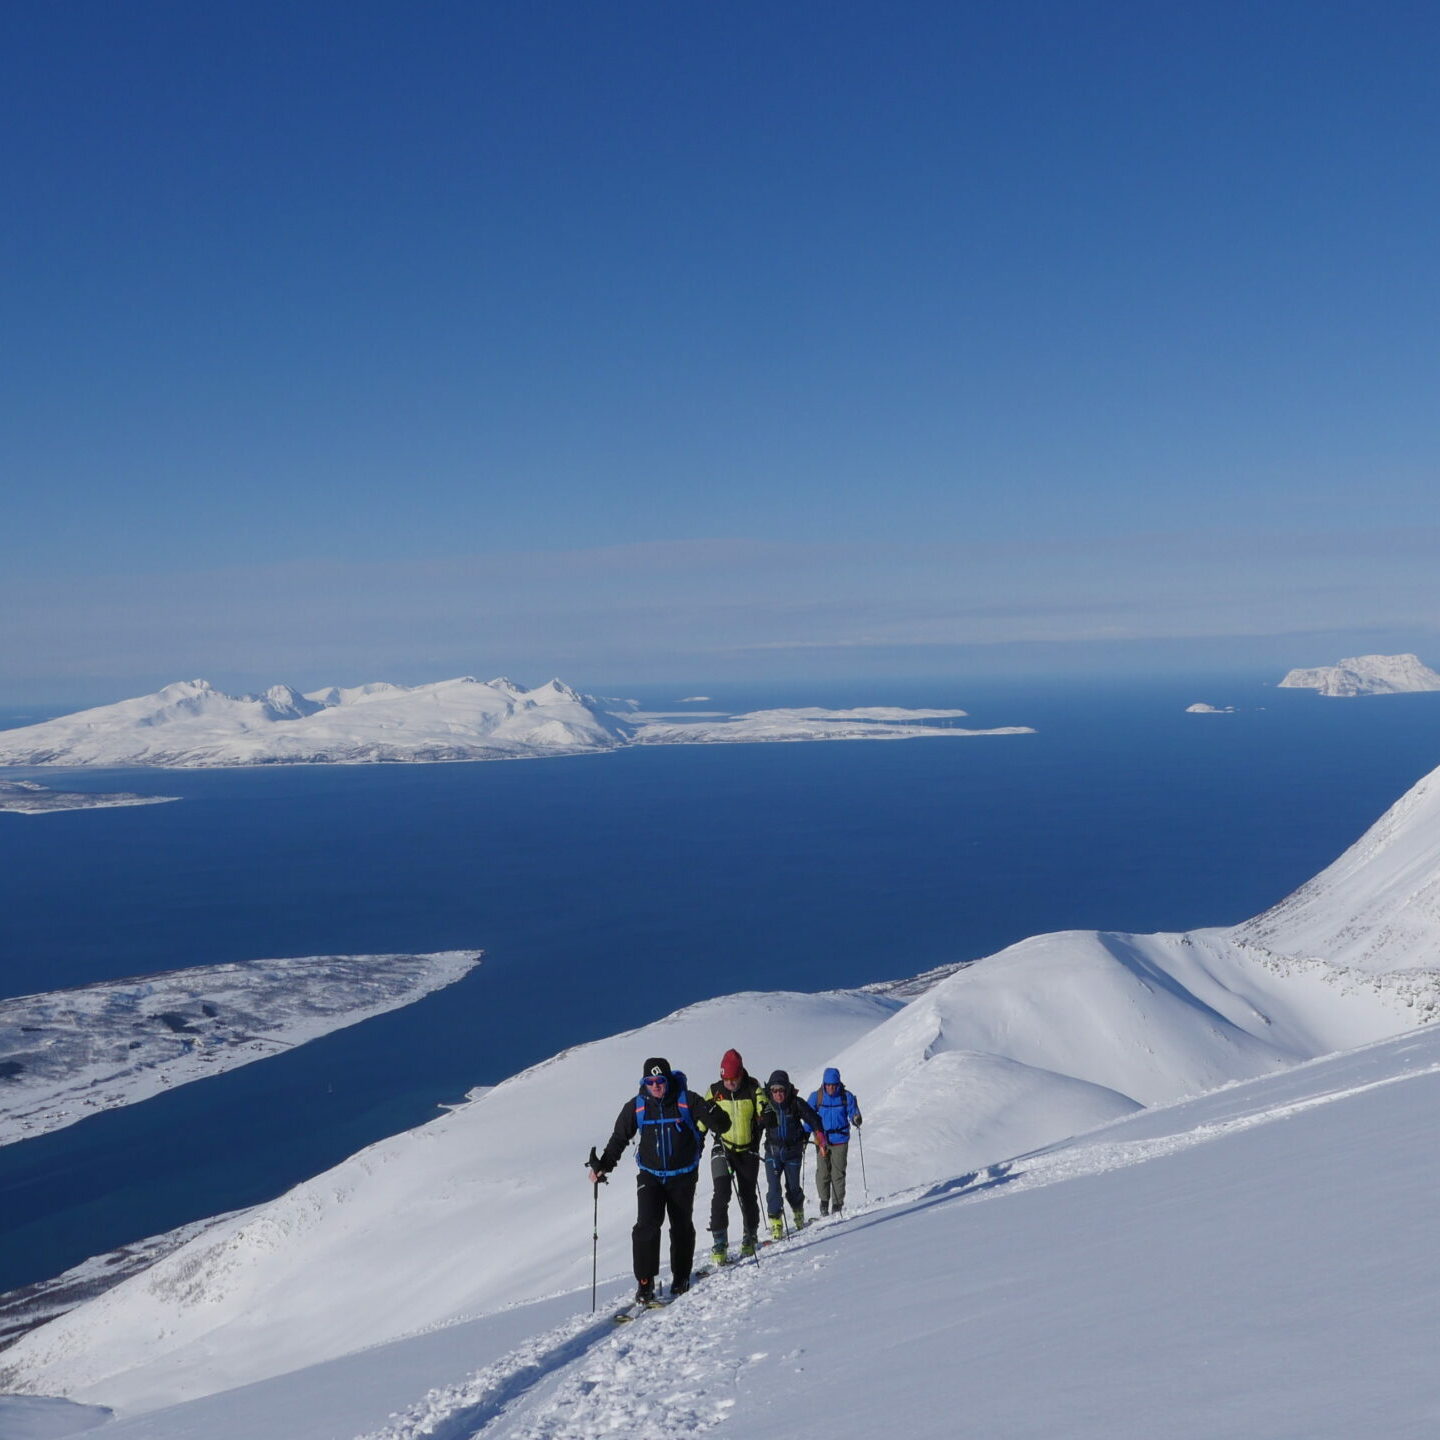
654,1379
659,1378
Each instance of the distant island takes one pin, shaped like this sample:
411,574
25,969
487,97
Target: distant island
26,797
1366,675
1201,708
192,724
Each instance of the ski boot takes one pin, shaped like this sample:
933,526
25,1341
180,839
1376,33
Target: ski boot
645,1293
720,1251
824,1209
777,1227
799,1212
679,1285
747,1245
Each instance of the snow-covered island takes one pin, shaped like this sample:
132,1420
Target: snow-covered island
1366,675
27,797
192,724
71,1053
1201,708
1235,1102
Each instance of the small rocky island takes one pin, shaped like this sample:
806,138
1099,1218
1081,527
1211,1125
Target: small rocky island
1366,675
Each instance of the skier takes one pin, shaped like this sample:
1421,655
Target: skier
735,1159
667,1117
838,1111
788,1122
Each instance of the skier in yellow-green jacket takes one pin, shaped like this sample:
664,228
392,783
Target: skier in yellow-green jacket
735,1157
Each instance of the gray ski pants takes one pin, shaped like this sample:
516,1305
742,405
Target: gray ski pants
830,1177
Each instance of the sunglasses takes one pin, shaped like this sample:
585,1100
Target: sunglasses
654,1080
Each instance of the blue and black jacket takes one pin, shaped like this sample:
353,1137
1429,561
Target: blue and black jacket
670,1139
787,1123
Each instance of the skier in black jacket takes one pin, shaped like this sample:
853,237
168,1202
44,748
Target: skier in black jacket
666,1116
787,1121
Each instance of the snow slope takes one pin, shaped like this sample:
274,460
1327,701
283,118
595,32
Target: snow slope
1366,675
1257,1262
192,724
1374,910
487,1207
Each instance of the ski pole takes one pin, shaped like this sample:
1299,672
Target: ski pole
594,1164
860,1136
735,1190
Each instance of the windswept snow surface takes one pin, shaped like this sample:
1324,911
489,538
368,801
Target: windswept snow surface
1366,675
71,1053
1257,1278
487,1206
192,724
1257,1262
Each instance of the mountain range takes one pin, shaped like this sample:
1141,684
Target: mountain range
192,724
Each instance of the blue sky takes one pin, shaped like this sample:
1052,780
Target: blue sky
637,341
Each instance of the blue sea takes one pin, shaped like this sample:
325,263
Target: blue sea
608,890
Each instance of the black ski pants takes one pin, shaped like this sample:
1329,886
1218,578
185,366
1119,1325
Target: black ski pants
746,1168
675,1197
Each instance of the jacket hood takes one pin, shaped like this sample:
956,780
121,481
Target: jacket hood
779,1077
832,1077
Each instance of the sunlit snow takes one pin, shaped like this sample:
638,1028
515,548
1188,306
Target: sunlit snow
1237,1240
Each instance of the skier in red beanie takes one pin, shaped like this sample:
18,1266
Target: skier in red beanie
735,1157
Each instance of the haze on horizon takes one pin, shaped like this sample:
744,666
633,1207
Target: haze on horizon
354,342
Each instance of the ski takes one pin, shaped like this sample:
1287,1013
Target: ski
636,1308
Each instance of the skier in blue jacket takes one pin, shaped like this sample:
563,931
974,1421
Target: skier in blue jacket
838,1111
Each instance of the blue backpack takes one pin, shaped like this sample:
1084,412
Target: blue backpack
682,1101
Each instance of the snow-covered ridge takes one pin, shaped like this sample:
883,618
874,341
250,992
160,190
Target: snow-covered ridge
1366,675
192,724
71,1053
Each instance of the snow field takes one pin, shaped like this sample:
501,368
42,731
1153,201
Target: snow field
1250,1256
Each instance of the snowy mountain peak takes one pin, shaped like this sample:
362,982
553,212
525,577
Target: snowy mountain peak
283,702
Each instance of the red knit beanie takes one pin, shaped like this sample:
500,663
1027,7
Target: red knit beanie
731,1065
